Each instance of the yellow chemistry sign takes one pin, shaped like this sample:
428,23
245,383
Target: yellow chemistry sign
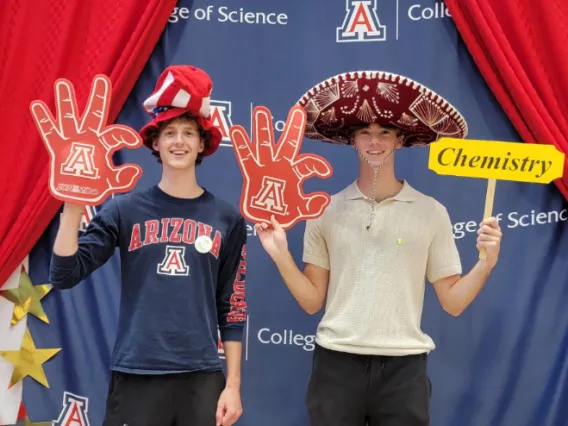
521,162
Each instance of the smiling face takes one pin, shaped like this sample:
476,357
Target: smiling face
376,143
179,144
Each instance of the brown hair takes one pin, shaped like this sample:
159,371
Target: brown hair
154,133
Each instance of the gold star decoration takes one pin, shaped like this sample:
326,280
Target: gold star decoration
28,361
26,298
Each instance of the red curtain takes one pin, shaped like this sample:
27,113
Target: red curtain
520,47
41,41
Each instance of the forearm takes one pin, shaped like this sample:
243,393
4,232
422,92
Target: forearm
66,241
302,289
233,356
465,290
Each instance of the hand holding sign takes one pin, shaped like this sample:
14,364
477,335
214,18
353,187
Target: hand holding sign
520,162
273,174
80,148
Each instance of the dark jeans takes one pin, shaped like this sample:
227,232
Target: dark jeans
358,390
163,400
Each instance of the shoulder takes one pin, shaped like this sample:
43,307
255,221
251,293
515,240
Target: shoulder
428,205
225,211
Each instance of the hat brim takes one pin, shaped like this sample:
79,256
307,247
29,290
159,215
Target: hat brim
337,105
169,114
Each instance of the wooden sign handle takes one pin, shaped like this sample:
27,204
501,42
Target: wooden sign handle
488,211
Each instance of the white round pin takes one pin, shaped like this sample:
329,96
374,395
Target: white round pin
203,244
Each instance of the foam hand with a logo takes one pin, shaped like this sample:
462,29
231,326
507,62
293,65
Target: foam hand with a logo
273,174
81,147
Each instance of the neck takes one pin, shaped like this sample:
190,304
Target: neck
180,183
387,184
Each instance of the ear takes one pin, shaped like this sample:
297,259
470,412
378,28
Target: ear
399,142
201,145
155,145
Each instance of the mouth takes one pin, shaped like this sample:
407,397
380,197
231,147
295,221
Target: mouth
179,153
375,152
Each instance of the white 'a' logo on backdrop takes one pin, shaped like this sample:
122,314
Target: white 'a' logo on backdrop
221,118
80,161
361,23
174,262
74,412
270,198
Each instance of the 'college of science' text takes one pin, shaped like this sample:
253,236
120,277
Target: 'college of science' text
224,14
513,220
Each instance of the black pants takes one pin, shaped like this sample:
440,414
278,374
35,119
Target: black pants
188,399
356,390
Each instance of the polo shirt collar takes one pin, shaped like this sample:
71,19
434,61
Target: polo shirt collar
407,193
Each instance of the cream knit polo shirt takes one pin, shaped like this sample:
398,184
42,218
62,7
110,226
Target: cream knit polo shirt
377,276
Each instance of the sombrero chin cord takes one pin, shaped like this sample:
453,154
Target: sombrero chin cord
375,178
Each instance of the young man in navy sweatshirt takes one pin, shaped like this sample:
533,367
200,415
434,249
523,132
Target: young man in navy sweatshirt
183,261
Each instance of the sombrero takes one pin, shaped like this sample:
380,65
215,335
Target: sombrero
338,104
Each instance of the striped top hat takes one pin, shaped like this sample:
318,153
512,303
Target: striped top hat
181,89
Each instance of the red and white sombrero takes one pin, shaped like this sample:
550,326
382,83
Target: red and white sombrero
181,89
339,103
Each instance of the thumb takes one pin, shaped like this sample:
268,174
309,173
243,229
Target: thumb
275,224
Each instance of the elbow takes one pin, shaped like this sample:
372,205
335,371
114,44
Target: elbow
312,308
454,310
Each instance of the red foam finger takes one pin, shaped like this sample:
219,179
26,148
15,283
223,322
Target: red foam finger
96,112
66,105
263,135
293,134
46,126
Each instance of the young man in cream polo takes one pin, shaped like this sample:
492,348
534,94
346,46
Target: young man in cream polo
368,256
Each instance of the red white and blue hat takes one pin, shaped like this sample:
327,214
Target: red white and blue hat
340,103
181,89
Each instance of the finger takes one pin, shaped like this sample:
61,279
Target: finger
45,124
490,221
127,176
275,224
486,237
263,135
315,205
219,415
97,108
308,166
118,136
488,230
292,135
241,144
66,107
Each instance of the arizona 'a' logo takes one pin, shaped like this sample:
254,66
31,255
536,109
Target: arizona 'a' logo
361,23
221,118
80,162
270,198
174,262
74,412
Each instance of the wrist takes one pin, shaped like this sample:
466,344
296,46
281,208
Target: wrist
283,258
233,383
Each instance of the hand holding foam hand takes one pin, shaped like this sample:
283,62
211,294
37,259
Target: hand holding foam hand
81,148
273,174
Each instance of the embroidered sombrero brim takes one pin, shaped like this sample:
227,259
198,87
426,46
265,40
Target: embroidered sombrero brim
351,99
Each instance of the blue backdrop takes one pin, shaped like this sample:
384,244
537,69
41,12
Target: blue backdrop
502,363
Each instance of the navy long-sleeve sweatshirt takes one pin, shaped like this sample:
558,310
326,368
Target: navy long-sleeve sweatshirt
183,268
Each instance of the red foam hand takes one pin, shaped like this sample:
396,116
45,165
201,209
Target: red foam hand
273,174
81,147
